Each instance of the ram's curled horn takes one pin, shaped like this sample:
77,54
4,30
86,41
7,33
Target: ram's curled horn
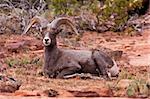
37,19
59,21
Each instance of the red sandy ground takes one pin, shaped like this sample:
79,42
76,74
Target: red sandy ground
134,64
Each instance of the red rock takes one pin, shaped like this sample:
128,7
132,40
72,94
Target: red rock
50,93
143,60
14,47
84,93
8,85
26,93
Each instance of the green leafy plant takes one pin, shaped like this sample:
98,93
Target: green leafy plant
117,11
62,7
72,7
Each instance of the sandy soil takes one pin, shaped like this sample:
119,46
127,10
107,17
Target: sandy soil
22,58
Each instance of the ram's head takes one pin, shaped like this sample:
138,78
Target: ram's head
52,29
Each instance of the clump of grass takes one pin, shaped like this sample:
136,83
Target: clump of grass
137,88
136,84
13,62
37,61
23,61
126,75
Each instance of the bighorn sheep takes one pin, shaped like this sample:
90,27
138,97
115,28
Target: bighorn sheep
59,63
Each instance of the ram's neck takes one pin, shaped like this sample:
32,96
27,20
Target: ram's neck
51,55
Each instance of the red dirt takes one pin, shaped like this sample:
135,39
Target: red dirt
24,62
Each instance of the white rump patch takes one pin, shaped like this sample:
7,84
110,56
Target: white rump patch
114,71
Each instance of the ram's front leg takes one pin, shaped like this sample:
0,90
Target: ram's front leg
69,70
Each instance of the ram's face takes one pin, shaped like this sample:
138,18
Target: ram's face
50,37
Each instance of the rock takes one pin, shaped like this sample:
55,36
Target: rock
45,93
94,92
8,84
32,44
26,93
142,60
50,93
14,47
84,93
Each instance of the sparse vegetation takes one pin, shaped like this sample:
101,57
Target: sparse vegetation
111,15
13,62
21,57
23,61
117,11
37,61
114,11
62,7
137,87
126,75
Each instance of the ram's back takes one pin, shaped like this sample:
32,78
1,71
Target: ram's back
79,55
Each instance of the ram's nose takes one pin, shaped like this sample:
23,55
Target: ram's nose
46,41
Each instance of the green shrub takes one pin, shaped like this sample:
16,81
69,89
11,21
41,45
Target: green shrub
117,11
62,7
112,10
71,7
